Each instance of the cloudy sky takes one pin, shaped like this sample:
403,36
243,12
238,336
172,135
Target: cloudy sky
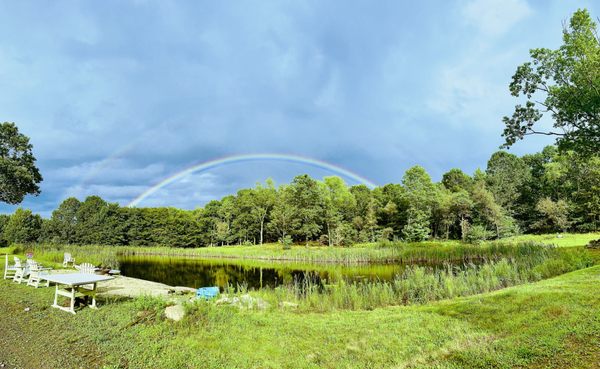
116,96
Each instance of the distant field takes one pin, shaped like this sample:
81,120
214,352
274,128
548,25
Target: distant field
366,252
560,240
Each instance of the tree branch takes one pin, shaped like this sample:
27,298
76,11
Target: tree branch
532,132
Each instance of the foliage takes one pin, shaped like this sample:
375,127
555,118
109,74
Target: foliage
18,174
23,227
564,83
417,228
542,192
419,285
555,215
594,244
477,234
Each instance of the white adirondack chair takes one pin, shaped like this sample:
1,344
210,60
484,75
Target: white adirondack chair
68,259
87,268
9,270
22,270
36,274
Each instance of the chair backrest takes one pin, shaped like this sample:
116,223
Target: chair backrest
6,262
33,265
87,268
68,256
18,262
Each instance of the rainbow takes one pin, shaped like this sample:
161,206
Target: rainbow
235,159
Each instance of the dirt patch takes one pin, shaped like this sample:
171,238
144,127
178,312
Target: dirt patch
132,287
121,286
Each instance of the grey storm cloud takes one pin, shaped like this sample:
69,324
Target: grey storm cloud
118,95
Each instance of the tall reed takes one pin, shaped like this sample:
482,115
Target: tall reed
407,253
421,284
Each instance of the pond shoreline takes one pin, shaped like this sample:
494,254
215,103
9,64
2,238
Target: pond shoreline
308,260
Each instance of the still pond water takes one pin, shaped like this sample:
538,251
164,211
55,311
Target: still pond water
195,272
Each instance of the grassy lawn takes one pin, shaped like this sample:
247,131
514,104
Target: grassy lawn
554,323
564,240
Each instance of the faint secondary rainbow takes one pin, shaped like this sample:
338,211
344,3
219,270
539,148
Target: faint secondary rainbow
236,159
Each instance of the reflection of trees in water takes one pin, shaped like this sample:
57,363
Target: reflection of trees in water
200,273
195,273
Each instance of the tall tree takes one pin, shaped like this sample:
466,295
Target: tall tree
63,223
18,174
421,195
23,227
307,199
456,180
283,216
564,83
555,215
506,174
99,222
263,200
336,199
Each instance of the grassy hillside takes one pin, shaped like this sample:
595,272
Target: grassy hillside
549,324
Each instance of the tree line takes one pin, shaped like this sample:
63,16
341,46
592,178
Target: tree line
543,192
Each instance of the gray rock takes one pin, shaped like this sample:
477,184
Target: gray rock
262,304
179,290
175,312
224,301
244,302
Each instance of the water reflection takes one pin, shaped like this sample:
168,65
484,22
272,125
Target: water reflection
194,272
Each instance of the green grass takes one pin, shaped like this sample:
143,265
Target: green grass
429,252
419,284
553,323
562,240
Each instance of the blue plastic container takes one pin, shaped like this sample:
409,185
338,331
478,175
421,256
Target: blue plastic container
207,292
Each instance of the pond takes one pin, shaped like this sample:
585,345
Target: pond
196,272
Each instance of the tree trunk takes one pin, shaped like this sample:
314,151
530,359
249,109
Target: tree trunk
262,222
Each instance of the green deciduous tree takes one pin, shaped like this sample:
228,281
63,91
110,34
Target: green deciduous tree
417,227
337,200
62,226
23,227
263,200
506,175
284,220
18,174
554,215
456,180
564,83
307,199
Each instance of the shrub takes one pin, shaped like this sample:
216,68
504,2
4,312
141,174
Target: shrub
477,234
286,242
594,244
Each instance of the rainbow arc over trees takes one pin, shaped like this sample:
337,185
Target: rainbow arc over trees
236,159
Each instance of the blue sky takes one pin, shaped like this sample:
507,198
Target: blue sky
117,95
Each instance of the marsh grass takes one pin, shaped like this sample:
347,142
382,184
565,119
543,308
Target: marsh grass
98,255
386,252
421,284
